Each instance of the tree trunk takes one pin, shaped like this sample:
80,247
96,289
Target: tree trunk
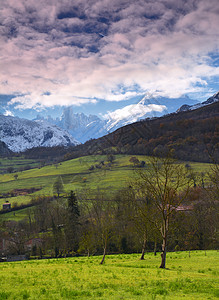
143,248
164,232
104,254
164,252
155,248
30,222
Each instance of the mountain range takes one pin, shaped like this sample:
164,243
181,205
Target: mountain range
19,135
84,128
210,100
191,135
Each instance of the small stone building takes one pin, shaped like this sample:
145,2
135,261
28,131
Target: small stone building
6,206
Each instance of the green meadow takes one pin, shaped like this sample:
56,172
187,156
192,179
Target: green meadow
121,277
17,163
76,176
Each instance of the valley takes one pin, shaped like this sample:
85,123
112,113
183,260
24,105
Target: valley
126,192
109,150
77,175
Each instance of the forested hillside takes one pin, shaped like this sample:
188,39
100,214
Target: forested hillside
193,135
4,151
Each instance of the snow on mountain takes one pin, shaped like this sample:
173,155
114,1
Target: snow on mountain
213,99
148,107
21,134
132,113
81,126
84,127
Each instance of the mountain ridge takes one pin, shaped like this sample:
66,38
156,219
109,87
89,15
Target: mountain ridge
85,127
211,100
22,134
191,134
41,133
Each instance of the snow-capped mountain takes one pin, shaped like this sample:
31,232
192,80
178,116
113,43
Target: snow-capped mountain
21,134
84,127
133,113
148,107
81,126
213,99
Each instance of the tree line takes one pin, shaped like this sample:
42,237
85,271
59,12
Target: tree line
160,210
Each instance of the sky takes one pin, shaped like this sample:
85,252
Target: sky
105,53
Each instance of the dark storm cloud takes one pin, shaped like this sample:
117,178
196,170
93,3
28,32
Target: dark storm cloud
111,49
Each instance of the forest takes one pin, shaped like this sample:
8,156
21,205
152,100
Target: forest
192,135
164,208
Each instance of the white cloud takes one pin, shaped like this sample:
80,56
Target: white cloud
108,50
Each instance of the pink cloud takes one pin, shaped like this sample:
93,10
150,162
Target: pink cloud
160,46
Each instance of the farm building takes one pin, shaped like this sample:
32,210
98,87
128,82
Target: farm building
34,242
6,205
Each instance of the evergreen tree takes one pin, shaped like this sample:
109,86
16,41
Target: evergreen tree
73,205
72,225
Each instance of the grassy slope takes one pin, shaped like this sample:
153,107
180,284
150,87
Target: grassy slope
16,163
18,215
73,172
121,277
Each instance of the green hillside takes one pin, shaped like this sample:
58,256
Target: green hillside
16,164
77,174
192,135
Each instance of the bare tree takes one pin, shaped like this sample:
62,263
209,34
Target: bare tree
214,178
58,186
139,211
163,183
87,241
103,218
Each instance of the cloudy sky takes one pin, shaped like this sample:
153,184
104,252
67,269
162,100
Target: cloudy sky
81,52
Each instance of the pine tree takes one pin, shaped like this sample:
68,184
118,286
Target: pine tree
72,226
73,205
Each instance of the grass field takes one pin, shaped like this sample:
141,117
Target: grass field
76,176
121,277
17,163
